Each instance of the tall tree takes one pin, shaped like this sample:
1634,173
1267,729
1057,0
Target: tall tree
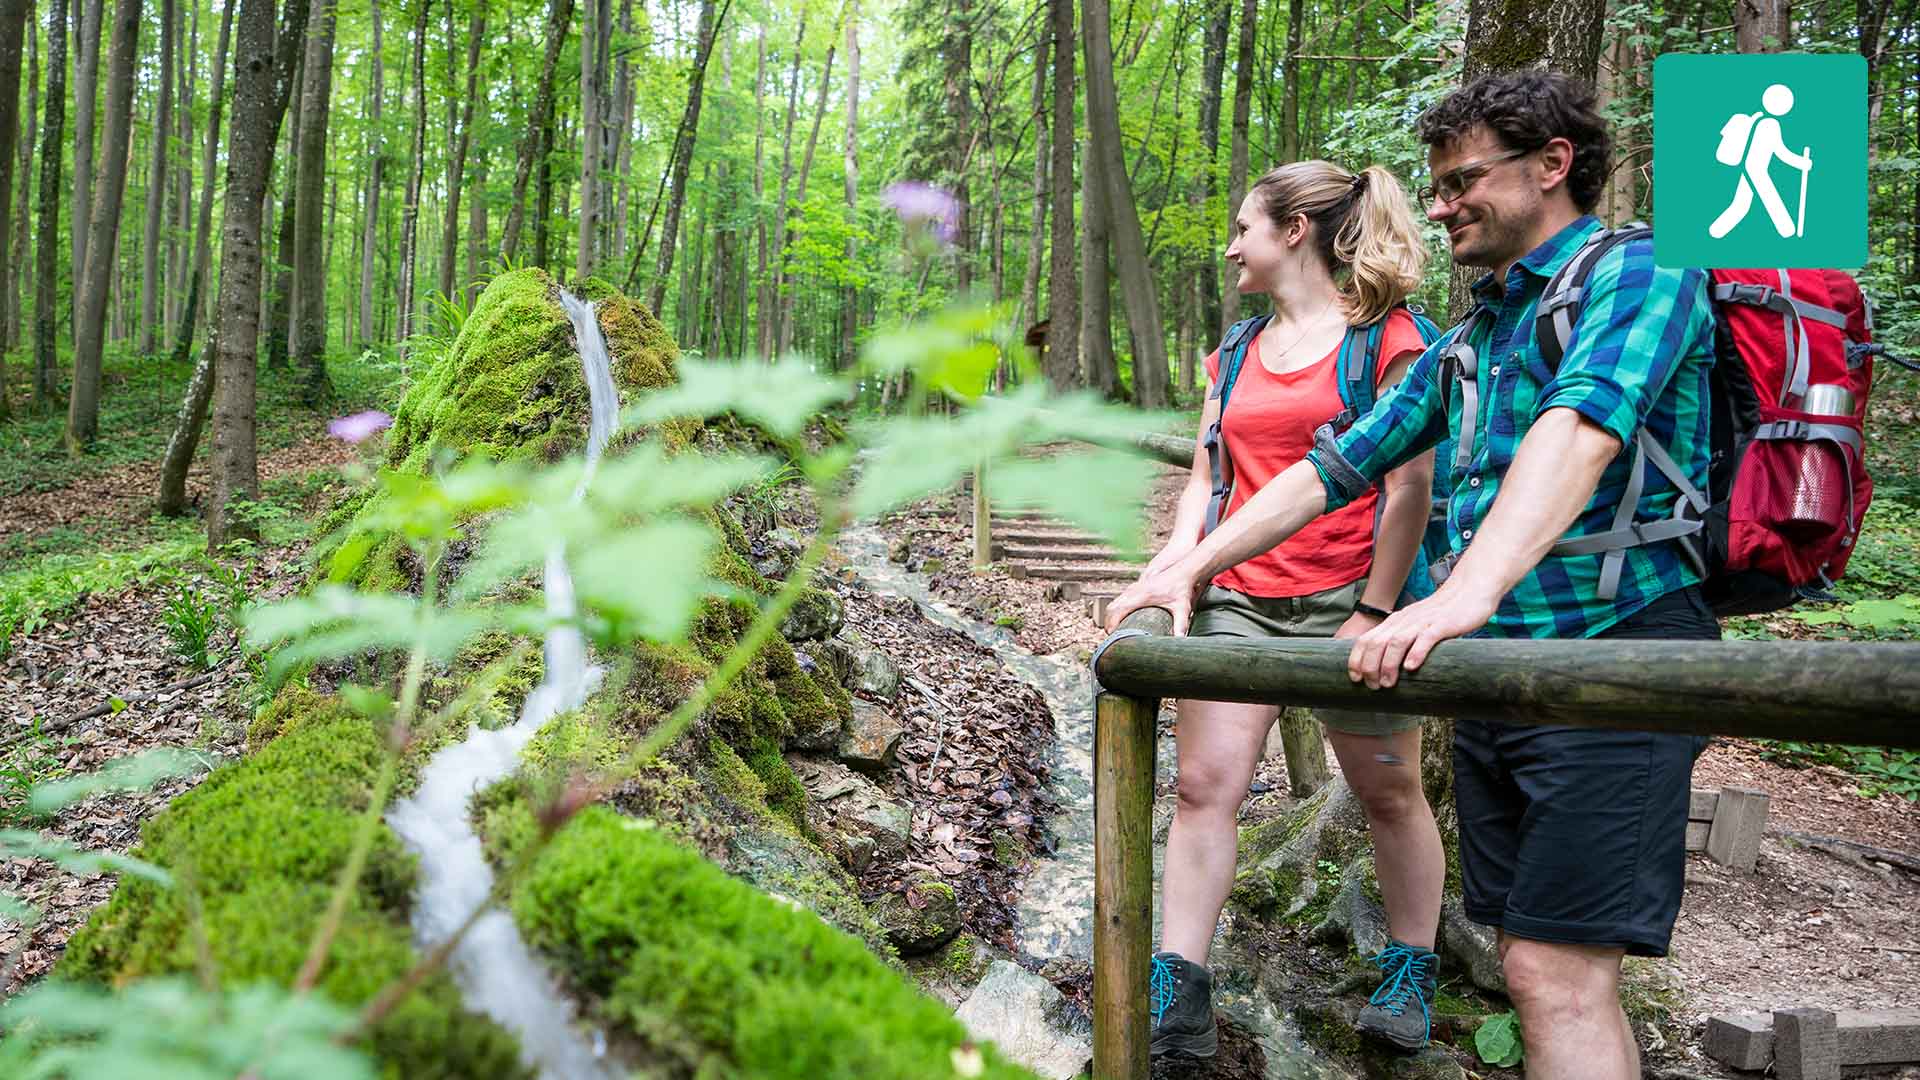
1062,359
87,16
1762,26
262,79
800,197
13,27
593,34
278,318
103,238
1096,276
52,149
849,297
770,277
759,187
150,243
203,228
1237,148
180,229
956,45
1213,67
416,165
460,139
309,341
376,174
681,160
1290,67
1137,287
538,140
16,283
623,103
1037,230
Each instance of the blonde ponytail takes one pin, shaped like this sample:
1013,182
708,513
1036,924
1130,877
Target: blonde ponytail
1364,226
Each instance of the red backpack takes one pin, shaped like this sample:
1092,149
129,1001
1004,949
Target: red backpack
1788,485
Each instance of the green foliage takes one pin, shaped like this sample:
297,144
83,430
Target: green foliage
1497,1041
30,759
719,978
1880,770
191,620
35,594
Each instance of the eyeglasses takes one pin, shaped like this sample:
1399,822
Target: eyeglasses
1449,186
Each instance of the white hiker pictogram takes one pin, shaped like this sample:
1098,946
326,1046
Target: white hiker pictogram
1752,141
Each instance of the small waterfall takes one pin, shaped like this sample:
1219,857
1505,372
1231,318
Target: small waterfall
496,971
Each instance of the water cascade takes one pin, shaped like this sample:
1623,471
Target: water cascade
496,971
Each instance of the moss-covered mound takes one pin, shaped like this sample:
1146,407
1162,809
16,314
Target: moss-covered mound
721,980
262,842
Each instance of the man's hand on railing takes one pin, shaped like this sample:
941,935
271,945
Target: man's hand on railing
1169,588
1408,635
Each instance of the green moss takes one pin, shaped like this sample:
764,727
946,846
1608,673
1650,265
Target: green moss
290,708
736,780
718,979
785,794
263,842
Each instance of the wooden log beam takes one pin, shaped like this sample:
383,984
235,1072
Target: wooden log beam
1833,691
1123,737
982,517
1863,1038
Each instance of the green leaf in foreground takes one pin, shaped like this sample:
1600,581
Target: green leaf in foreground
780,397
1099,490
1497,1040
136,773
20,844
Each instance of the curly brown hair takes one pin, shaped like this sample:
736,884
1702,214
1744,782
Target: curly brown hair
1525,110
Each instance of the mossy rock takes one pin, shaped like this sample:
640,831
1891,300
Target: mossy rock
920,918
719,979
263,842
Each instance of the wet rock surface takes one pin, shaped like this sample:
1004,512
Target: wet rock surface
1030,1021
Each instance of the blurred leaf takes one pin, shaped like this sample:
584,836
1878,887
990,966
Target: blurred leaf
1099,490
1497,1040
334,621
780,397
647,581
370,702
31,845
19,911
136,773
646,481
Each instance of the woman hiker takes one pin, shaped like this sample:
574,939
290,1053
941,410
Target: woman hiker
1338,253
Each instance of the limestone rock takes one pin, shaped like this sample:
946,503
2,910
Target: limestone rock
831,659
874,674
899,551
818,614
1467,946
1029,1020
950,972
775,551
873,738
1355,915
857,821
920,919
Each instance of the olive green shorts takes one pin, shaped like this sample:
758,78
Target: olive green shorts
1226,613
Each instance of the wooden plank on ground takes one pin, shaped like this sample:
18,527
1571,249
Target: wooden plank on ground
1700,804
1743,1040
1878,1036
1077,571
1739,818
1098,609
1806,1044
1697,835
1059,554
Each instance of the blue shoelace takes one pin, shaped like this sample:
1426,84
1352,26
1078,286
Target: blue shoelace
1160,986
1407,970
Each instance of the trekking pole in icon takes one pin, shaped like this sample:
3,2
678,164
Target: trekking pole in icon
1800,223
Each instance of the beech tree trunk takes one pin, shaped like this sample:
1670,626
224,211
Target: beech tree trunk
52,148
682,157
1237,151
416,163
263,77
1037,226
103,238
593,34
13,27
203,228
1761,26
180,234
623,103
23,175
1504,35
1213,69
476,231
849,297
1062,359
761,302
800,196
87,16
1137,288
1096,271
376,175
539,137
460,138
309,339
279,313
957,83
150,248
770,282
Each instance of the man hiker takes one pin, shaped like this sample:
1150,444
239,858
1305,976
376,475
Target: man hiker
1753,141
1572,841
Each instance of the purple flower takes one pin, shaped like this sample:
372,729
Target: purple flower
923,204
360,426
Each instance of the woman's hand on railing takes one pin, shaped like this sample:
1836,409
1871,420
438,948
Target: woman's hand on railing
1170,588
1408,635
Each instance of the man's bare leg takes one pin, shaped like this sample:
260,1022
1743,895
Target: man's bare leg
1568,998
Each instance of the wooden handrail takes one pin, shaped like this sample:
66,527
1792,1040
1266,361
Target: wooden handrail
1827,691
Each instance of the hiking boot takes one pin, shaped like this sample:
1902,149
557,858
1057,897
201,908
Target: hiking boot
1180,1001
1397,1012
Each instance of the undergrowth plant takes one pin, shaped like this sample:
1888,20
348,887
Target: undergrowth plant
641,509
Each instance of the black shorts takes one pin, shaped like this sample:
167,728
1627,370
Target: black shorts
1578,835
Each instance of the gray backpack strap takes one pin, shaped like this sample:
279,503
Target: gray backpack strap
1794,313
1460,367
1689,510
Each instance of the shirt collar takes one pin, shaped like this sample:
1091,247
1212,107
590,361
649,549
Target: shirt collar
1544,261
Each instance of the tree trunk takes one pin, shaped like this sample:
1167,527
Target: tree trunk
150,248
1062,359
309,338
460,138
1212,77
203,229
51,150
1137,286
957,44
476,231
1504,35
800,196
850,297
1096,273
416,163
771,281
623,102
1762,26
1290,68
682,157
1237,150
376,174
13,27
593,35
263,77
23,175
187,425
761,299
539,137
103,238
1037,226
278,332
180,233
87,16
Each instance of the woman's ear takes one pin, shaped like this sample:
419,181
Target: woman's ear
1297,230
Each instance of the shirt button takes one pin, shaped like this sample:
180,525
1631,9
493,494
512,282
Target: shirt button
1495,370
1475,482
1466,534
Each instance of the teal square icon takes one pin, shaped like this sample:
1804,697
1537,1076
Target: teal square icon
1760,160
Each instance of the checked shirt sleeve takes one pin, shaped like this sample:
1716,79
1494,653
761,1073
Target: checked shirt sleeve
1637,322
1405,420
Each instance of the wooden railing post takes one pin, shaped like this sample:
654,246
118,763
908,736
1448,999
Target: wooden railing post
982,517
1123,753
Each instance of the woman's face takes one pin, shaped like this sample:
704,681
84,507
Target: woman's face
1262,250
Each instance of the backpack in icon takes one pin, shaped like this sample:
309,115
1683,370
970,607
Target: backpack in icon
1733,138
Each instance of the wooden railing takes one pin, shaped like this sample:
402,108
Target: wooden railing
1830,692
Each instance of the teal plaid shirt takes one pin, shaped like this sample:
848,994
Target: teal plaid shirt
1640,354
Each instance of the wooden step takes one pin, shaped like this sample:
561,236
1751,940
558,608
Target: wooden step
1022,533
1120,572
1056,554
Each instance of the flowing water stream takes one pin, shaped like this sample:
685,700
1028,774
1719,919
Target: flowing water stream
496,971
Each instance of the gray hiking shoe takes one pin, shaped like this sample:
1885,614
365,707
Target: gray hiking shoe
1397,1013
1180,1001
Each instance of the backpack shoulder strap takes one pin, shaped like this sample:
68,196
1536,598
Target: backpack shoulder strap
1353,369
1560,304
1233,352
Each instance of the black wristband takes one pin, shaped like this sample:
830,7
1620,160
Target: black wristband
1370,611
